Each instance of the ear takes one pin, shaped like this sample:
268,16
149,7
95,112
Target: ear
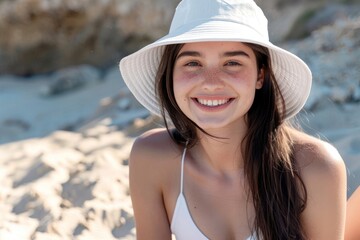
260,80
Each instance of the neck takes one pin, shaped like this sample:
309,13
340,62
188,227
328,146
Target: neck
221,153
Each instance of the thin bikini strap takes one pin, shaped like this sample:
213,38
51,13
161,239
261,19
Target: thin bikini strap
182,170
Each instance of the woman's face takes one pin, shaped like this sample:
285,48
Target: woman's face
215,82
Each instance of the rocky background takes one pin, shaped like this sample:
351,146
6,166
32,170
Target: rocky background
42,36
67,121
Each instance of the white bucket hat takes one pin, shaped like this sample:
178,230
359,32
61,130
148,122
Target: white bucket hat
217,20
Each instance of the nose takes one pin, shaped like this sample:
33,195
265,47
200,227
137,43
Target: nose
212,80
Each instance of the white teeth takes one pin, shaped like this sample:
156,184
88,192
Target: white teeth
212,103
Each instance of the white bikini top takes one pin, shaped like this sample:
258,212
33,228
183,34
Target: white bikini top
182,224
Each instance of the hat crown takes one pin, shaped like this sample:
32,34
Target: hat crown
244,12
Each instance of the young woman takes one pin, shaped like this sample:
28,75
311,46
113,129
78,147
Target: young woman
227,165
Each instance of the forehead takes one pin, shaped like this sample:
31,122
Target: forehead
216,46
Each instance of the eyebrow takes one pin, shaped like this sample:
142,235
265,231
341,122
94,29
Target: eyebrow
235,53
226,54
188,54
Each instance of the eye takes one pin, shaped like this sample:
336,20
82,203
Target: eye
192,64
232,63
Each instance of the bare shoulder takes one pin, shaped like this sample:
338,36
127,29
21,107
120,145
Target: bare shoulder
316,156
154,147
323,173
154,154
319,163
155,141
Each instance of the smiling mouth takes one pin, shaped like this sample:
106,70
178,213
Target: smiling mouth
213,103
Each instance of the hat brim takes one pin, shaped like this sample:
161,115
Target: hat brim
292,75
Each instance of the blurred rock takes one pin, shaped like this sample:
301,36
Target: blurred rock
356,94
319,14
331,13
332,54
340,95
43,36
70,79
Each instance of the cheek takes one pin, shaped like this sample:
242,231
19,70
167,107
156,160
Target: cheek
245,80
184,77
179,87
183,81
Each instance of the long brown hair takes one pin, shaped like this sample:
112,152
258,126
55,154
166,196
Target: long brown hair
275,186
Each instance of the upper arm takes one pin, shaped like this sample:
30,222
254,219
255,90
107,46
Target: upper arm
325,181
146,193
352,229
